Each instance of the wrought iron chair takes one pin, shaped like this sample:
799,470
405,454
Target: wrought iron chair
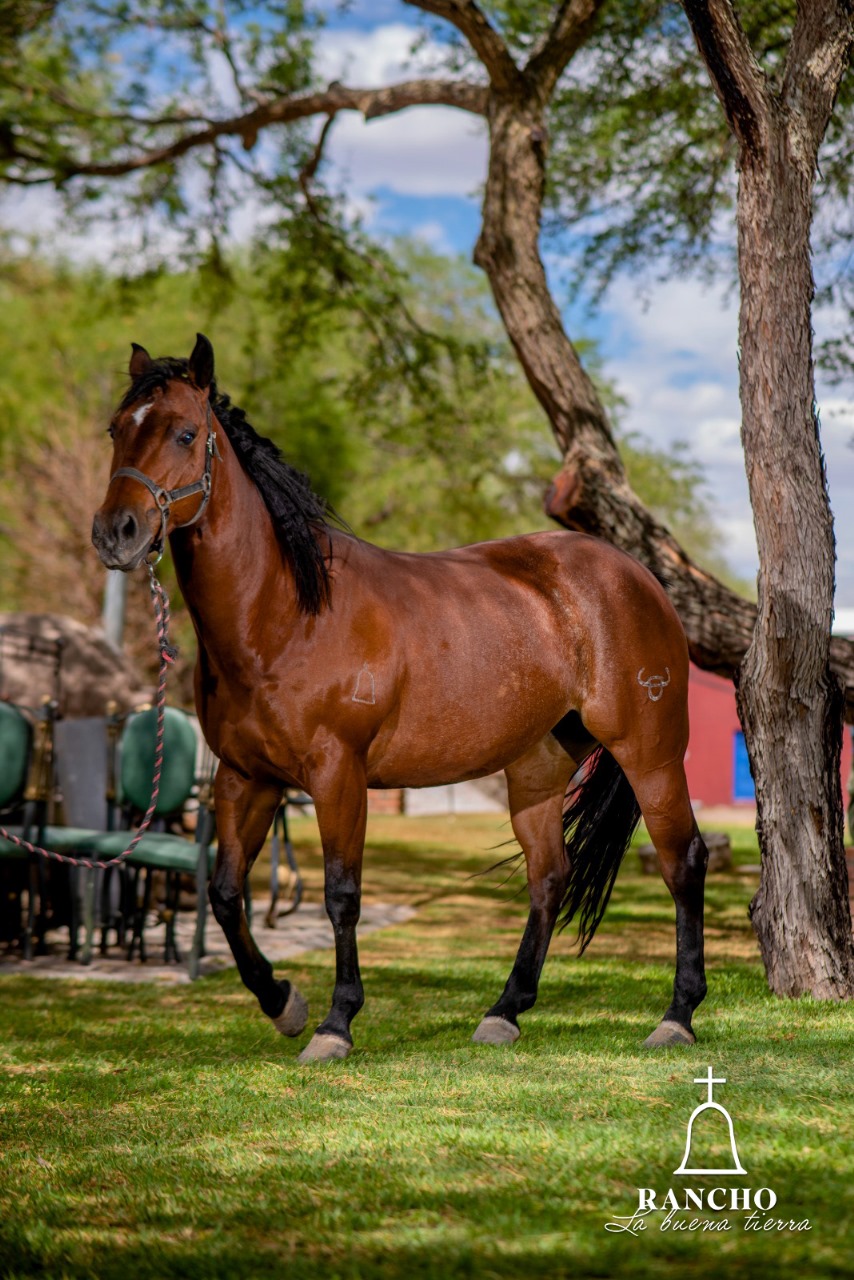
129,789
160,850
82,765
49,884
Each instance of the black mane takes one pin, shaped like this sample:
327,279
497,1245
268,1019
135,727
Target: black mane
299,516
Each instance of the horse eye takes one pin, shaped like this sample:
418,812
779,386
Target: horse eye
186,437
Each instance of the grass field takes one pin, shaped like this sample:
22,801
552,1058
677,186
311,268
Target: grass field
153,1133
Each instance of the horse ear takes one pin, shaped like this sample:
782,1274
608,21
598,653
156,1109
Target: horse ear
201,365
140,361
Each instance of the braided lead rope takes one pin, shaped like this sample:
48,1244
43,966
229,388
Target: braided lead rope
168,653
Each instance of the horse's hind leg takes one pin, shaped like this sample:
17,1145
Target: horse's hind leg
536,786
682,855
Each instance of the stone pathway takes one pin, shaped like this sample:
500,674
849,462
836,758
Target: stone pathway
308,929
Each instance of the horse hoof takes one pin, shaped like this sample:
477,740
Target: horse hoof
494,1030
668,1033
291,1021
323,1048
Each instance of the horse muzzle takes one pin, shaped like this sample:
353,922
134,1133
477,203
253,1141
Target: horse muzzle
121,538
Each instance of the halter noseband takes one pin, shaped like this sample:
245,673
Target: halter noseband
166,497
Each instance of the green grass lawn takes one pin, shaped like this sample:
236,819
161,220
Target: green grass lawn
153,1133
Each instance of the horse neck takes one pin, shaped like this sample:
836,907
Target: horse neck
230,565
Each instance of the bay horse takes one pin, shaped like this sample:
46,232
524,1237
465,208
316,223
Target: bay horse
329,664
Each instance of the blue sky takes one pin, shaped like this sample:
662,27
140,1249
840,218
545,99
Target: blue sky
672,351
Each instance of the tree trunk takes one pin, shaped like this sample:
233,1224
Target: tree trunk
790,702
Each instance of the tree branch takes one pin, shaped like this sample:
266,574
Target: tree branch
736,76
372,103
818,57
309,169
481,35
553,51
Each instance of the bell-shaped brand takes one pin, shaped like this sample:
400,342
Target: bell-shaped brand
710,1105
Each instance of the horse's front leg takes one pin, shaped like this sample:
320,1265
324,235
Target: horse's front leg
244,814
341,802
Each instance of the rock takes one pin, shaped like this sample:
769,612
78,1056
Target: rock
717,843
92,672
648,859
720,850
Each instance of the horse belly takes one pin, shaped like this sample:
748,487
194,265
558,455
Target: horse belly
465,717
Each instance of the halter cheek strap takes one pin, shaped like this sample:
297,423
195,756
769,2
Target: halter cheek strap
166,498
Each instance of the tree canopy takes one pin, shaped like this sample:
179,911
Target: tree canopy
182,101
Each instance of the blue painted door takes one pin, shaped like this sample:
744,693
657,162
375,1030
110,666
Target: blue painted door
742,785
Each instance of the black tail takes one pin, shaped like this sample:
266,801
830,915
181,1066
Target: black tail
598,825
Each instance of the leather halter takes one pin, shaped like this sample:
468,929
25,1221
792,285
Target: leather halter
166,497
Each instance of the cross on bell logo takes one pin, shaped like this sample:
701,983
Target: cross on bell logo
710,1105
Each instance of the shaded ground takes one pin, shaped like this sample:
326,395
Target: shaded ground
148,1132
308,929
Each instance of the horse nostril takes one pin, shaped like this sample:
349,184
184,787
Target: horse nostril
129,528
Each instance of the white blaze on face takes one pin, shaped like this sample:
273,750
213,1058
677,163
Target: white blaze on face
139,414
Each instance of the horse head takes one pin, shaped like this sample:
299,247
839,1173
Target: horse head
163,447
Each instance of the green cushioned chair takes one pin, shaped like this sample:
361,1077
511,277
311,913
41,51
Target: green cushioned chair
61,839
16,752
16,742
159,850
138,749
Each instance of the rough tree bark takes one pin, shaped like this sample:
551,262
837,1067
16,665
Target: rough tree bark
790,701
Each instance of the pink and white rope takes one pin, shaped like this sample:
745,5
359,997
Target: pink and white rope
160,602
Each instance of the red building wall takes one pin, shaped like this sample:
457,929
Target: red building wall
709,762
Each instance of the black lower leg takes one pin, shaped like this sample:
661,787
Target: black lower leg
689,986
254,968
343,898
520,992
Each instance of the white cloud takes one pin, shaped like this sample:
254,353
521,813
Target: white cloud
376,57
837,419
686,319
36,215
424,151
433,234
741,540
